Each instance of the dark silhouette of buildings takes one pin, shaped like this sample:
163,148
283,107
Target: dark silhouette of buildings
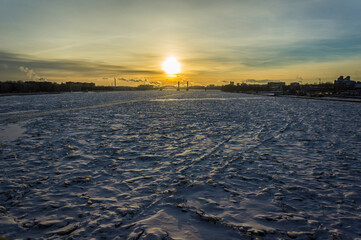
342,87
14,87
254,88
344,83
276,86
145,87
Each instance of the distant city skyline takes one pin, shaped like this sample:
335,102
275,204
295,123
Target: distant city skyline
214,41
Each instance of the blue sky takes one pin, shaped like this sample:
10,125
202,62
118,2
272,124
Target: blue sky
215,41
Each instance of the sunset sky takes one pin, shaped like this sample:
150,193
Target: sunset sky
252,41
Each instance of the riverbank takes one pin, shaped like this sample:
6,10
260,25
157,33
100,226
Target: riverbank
24,94
336,99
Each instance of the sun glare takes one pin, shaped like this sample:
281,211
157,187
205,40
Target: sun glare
171,66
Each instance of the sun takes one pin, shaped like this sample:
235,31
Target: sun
171,66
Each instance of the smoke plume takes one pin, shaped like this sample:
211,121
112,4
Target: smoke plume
30,73
139,81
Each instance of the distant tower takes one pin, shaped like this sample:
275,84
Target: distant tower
187,86
115,82
178,87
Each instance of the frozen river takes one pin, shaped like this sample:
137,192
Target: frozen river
179,165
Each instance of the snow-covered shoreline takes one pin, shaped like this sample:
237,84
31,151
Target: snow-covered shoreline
336,99
180,165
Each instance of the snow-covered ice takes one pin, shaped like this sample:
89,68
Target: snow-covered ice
179,165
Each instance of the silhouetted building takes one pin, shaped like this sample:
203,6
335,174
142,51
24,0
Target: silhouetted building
213,87
344,83
145,87
276,86
79,86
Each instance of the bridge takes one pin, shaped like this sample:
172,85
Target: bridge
173,87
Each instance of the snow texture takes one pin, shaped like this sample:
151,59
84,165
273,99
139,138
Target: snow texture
179,165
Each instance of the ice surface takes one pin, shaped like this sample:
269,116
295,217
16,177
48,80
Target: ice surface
11,132
179,165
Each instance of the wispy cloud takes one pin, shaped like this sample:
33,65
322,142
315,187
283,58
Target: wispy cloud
318,50
214,39
63,67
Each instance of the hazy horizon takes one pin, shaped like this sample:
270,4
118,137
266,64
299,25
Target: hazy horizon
215,42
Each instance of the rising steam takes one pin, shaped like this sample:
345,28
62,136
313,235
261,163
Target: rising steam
30,73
